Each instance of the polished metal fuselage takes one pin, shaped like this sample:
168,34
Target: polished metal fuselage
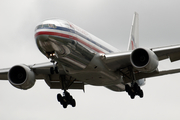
77,51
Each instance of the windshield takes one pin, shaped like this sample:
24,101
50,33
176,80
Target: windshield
49,26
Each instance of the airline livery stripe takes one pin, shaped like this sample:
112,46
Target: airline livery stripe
71,31
69,37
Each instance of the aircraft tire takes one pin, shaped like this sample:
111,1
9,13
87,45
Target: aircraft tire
127,88
73,103
59,98
65,105
132,95
141,94
52,70
56,70
136,87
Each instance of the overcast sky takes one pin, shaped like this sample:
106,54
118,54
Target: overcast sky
109,20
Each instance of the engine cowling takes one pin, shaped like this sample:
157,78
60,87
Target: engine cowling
22,77
144,60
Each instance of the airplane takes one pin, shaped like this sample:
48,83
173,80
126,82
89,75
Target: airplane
78,58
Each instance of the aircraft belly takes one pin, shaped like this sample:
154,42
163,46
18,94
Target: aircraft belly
96,73
97,78
67,52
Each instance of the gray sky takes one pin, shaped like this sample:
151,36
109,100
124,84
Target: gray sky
109,20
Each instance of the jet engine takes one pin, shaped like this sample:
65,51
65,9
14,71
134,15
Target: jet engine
21,76
144,60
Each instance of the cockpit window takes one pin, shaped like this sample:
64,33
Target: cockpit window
45,26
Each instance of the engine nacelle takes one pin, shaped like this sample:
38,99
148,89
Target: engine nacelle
144,60
21,76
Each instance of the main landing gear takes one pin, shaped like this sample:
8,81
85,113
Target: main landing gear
134,90
66,99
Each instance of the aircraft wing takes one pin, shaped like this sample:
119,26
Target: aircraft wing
39,69
122,61
42,71
171,52
3,74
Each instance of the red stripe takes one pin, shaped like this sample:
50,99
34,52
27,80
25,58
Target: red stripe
132,45
70,37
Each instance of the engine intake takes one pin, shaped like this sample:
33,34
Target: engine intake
144,60
22,77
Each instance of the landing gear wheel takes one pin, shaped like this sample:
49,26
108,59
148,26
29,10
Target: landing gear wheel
56,70
127,88
73,103
65,104
132,95
66,99
136,87
60,98
52,70
141,94
134,90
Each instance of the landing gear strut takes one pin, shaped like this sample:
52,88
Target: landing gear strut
54,69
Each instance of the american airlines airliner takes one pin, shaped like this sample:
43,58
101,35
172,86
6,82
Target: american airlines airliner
78,58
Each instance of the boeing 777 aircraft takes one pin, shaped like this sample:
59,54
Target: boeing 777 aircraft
78,58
